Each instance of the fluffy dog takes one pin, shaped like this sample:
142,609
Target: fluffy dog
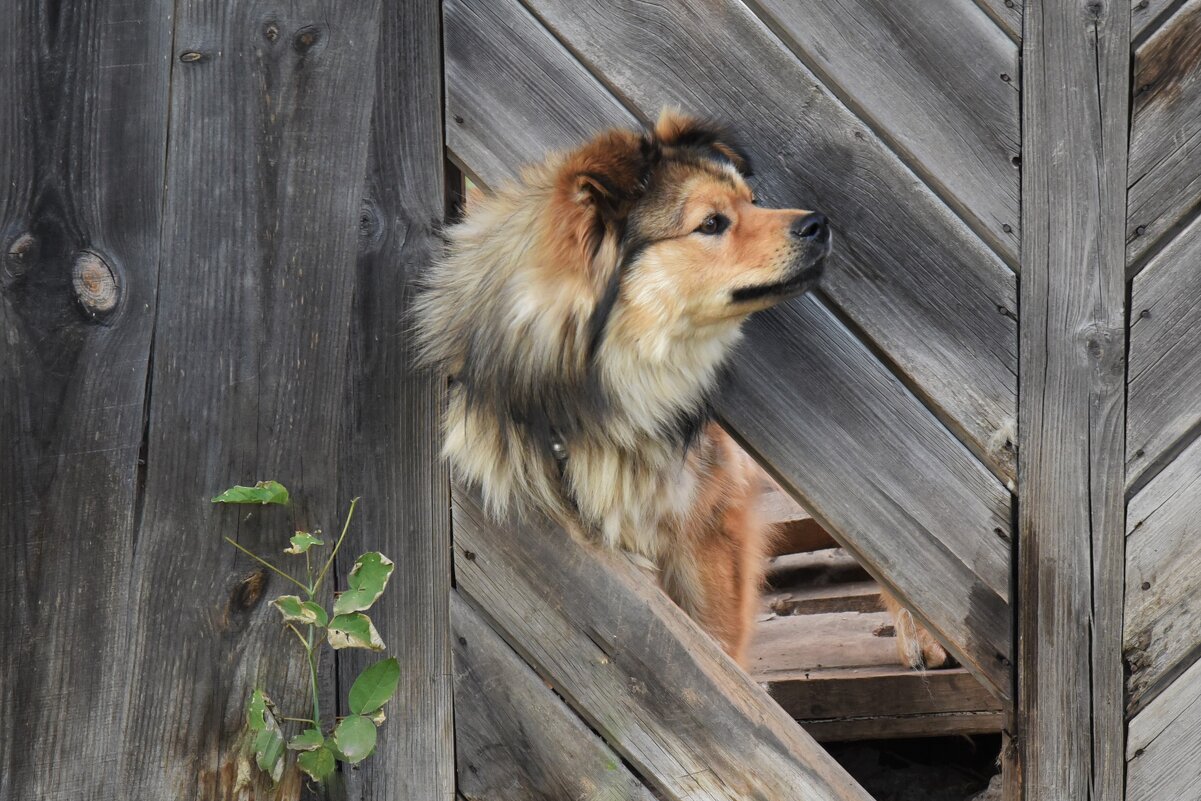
584,314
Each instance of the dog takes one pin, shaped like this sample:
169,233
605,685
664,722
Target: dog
584,313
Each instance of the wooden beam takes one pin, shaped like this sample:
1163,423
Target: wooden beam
1165,740
85,99
1072,405
805,377
514,738
392,412
639,671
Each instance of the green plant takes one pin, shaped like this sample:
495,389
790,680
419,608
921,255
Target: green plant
353,736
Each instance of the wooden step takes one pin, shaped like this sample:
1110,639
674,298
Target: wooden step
826,651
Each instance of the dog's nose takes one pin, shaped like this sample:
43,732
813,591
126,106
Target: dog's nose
813,227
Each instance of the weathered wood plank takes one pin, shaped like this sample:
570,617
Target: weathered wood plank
393,440
639,672
84,93
270,112
1164,745
1165,357
941,305
1007,14
831,639
1072,405
1165,133
1163,603
860,428
793,529
854,596
1147,15
949,724
515,739
818,386
941,91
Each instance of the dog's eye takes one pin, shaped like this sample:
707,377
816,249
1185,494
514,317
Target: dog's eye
714,224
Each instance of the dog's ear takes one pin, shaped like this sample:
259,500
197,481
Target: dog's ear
599,184
711,139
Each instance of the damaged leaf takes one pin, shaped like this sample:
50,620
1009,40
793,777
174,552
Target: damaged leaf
307,740
354,631
263,492
366,581
354,738
294,610
269,740
302,541
318,763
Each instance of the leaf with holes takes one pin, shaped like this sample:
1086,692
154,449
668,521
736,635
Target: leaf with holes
354,631
318,763
294,610
374,686
302,541
366,582
307,740
263,492
269,740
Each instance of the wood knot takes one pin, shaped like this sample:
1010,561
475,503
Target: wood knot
271,31
22,254
193,56
371,229
97,288
306,38
248,592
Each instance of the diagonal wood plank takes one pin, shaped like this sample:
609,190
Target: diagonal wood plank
924,288
1162,627
640,672
85,98
390,454
941,90
1007,14
1146,16
1165,357
1165,133
852,415
1164,745
248,379
514,738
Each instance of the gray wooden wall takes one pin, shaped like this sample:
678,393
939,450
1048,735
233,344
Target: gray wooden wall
210,215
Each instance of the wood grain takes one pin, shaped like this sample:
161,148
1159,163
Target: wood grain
1163,603
1164,746
1007,14
515,739
941,305
84,93
1165,133
804,377
391,452
270,115
1165,358
638,671
941,91
1072,405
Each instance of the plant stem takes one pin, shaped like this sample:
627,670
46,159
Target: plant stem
265,563
313,679
342,536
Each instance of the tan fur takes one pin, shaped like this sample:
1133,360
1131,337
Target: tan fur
583,308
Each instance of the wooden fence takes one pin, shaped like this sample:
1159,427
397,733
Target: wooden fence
211,216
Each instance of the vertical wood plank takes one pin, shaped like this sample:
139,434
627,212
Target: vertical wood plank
270,113
1072,399
393,440
84,96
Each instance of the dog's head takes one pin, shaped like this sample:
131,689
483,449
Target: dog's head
600,294
667,227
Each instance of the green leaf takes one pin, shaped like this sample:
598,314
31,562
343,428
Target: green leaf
294,610
262,492
366,582
354,738
269,740
307,740
302,541
354,631
374,686
318,763
256,710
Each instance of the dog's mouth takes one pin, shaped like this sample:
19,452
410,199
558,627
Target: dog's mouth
804,278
